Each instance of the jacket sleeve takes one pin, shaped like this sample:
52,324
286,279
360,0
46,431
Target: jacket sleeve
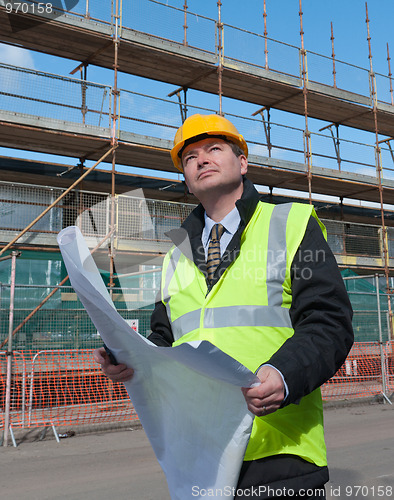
161,329
321,316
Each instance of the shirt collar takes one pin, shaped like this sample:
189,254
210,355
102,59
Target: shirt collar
230,223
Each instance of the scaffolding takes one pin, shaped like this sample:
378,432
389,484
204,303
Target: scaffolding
89,121
300,96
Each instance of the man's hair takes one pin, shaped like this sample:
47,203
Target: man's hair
235,148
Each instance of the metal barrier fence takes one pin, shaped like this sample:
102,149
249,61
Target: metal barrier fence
138,218
62,387
368,372
62,322
66,387
53,380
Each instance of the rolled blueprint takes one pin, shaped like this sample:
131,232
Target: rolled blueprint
188,397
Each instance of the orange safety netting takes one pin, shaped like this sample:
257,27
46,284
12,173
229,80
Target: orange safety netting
62,388
367,371
66,387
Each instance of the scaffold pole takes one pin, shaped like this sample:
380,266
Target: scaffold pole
334,72
185,24
220,55
378,161
114,142
7,420
390,75
305,93
265,35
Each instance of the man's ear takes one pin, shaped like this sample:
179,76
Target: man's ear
244,164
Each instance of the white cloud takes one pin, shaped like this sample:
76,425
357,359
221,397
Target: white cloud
16,56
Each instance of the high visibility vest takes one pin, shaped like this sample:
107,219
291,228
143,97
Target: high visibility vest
246,315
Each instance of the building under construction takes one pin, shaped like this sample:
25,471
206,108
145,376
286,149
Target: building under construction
113,135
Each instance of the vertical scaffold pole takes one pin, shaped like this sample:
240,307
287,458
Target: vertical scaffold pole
382,354
379,169
7,420
220,55
114,142
185,23
308,158
334,71
390,75
265,35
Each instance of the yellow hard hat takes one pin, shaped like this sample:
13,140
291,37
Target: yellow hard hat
197,125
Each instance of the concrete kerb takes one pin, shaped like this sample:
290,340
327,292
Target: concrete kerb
67,431
35,434
378,399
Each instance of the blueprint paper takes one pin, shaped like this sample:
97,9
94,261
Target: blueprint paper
187,397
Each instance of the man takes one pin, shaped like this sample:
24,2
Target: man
271,297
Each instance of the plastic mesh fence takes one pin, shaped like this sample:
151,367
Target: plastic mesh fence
67,388
363,372
62,388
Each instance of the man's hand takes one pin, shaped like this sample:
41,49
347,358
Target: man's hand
116,373
268,396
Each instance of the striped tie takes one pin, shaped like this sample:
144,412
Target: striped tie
213,258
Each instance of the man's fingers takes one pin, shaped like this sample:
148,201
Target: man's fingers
267,397
100,356
116,373
121,374
261,407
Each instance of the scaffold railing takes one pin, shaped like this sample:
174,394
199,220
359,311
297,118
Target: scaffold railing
59,100
179,24
143,219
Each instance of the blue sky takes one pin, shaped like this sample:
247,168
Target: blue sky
283,23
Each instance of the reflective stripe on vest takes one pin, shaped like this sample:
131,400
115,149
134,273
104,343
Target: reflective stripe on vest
174,259
220,317
276,253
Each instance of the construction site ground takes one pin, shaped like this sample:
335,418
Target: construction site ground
120,464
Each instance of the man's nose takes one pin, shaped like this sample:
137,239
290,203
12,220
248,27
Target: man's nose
202,158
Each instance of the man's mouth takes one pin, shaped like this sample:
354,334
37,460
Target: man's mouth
205,172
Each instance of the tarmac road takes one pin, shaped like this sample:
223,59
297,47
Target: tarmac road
121,465
360,443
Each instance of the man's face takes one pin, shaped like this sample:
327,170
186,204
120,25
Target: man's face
210,165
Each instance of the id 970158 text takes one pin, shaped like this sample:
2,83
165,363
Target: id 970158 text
28,7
